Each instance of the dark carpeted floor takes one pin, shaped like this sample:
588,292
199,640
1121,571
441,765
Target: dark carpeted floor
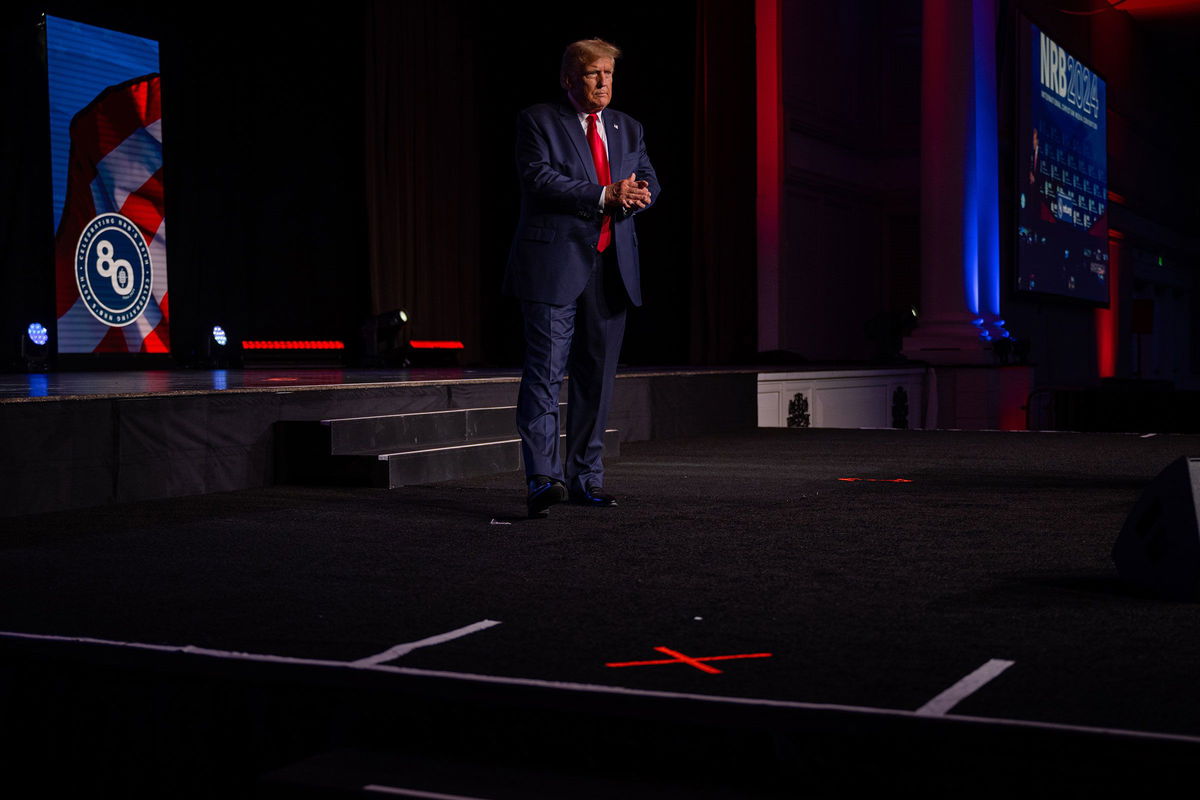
869,593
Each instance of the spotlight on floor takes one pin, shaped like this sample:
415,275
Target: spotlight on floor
35,348
383,339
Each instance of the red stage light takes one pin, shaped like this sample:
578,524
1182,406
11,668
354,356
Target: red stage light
431,344
259,344
1108,339
770,161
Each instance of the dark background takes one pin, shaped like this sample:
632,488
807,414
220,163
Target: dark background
278,167
333,161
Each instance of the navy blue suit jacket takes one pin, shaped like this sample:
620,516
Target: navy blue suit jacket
553,252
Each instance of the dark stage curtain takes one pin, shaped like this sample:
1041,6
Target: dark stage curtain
422,165
724,294
26,233
441,194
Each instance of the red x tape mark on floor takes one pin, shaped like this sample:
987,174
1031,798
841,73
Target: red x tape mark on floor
680,658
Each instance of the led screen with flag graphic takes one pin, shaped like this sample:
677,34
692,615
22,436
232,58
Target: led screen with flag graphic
106,142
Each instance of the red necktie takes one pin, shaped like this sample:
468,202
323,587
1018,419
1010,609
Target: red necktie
600,159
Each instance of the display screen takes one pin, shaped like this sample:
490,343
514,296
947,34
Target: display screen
1062,173
110,245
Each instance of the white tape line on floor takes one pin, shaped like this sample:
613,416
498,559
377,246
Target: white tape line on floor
399,650
400,792
966,687
623,691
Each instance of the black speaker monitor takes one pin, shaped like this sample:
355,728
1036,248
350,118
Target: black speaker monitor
1158,548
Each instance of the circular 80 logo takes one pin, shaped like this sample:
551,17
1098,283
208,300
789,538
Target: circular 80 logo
112,269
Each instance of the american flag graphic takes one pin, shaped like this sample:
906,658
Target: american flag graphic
115,166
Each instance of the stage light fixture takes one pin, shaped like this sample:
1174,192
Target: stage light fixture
393,319
35,348
219,350
383,339
38,333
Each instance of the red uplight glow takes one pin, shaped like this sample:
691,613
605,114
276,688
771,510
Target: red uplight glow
770,158
430,344
1107,335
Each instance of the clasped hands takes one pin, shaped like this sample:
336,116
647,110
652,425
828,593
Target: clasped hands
627,193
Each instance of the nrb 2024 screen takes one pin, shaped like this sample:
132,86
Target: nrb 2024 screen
1062,173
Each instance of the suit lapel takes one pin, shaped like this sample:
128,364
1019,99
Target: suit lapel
574,133
616,146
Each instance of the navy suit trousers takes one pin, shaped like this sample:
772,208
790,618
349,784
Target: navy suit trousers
583,340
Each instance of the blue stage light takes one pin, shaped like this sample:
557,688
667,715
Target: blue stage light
220,349
38,334
35,348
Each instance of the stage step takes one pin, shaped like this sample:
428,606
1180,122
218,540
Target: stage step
358,435
404,449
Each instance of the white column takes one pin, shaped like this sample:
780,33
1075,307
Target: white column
959,186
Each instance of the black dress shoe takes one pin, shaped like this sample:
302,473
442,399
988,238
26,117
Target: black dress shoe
592,496
543,493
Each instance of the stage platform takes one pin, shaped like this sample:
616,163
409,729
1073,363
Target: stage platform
85,439
79,440
17,387
767,613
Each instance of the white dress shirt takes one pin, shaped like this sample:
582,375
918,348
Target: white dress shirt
583,121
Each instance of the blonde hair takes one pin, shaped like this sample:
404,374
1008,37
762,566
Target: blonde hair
581,53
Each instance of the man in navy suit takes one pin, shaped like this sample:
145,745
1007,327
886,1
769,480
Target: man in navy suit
574,266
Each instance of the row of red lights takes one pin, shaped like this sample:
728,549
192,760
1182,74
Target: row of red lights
418,344
293,345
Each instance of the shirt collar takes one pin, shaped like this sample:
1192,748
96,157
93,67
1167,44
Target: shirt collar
583,115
